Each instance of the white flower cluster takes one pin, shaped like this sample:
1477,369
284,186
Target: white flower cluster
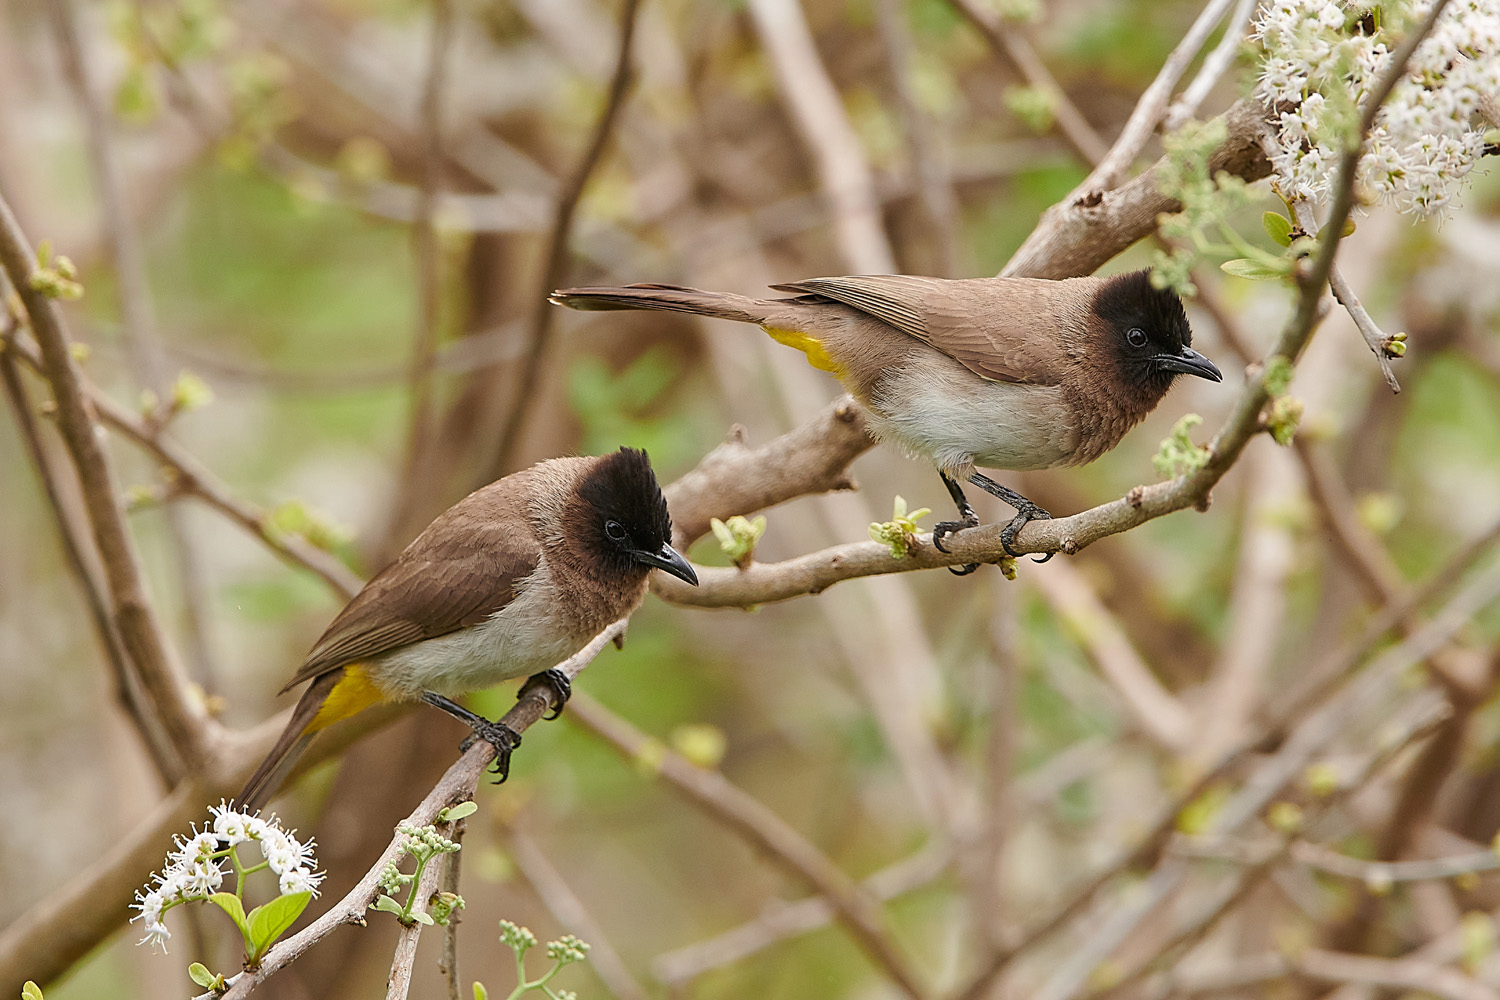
195,870
1322,57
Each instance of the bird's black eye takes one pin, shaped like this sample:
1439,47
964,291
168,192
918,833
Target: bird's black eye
615,530
1136,336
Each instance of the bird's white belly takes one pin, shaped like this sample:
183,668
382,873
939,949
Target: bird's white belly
957,421
521,639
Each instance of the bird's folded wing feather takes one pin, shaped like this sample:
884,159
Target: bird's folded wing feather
449,578
1002,329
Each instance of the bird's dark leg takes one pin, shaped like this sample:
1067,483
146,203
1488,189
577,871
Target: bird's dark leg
561,685
497,734
1025,511
967,519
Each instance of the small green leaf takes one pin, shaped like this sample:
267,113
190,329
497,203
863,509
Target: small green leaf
31,991
1278,227
1278,375
1178,455
480,993
190,392
422,918
453,814
269,922
1251,270
198,973
230,904
386,904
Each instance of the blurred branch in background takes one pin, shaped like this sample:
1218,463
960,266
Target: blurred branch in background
556,256
1110,779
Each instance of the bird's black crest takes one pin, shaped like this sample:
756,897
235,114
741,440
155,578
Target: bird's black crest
1127,300
622,486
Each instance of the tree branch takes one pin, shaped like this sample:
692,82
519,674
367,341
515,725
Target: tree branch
555,266
189,727
188,475
710,791
1087,228
457,785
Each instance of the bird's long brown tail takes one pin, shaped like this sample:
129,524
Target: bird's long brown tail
667,298
294,740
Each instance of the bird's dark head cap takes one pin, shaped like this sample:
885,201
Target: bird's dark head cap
1148,333
629,526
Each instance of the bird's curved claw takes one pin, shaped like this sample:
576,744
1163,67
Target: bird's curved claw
498,735
1023,516
560,684
942,530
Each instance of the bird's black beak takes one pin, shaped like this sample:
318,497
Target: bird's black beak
1189,362
669,560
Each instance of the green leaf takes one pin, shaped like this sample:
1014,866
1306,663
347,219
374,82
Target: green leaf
480,993
455,813
31,991
1252,270
198,973
386,904
269,922
422,918
230,904
1278,227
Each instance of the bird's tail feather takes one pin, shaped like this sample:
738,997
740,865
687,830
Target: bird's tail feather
666,298
294,740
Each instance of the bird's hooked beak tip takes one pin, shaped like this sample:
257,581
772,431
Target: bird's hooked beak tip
1189,362
669,560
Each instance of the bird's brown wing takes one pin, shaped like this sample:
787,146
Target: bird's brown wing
1005,329
462,569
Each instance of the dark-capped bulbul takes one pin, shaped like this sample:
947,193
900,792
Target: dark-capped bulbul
509,581
1006,373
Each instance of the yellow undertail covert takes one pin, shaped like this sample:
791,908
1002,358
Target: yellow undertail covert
354,693
808,345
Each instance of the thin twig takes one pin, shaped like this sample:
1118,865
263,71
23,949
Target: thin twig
818,114
404,957
457,785
187,724
1158,713
1257,606
925,149
448,964
1153,103
189,476
1303,706
73,538
1374,337
779,921
428,256
1421,716
570,912
143,347
1081,232
1215,65
1334,863
1010,44
555,261
724,802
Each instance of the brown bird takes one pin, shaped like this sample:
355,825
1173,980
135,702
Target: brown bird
1008,373
509,581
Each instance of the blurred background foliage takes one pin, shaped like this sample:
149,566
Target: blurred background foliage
273,155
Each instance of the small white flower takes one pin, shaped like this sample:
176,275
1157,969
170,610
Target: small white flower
232,826
202,878
300,880
1427,138
151,905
